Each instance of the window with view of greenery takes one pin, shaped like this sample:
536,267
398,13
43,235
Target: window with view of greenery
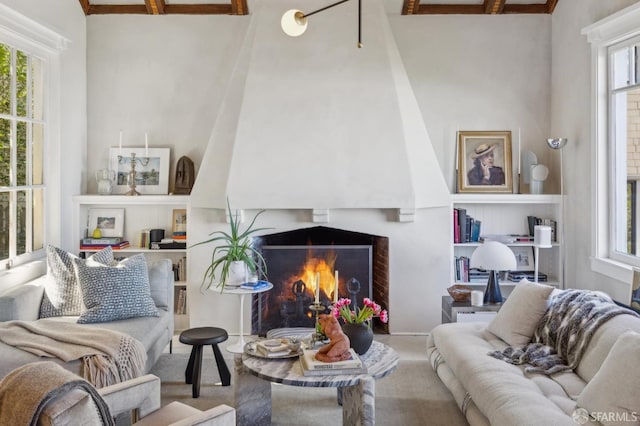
22,130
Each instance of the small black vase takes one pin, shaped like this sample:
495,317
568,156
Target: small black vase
360,336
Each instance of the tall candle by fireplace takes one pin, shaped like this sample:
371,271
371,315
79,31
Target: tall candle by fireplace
146,145
120,144
335,292
317,287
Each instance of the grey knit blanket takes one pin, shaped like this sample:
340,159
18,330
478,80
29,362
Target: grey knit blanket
564,332
27,391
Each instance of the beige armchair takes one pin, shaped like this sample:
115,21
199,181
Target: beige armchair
141,398
46,394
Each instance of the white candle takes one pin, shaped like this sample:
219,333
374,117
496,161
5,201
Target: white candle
335,292
317,287
146,144
120,144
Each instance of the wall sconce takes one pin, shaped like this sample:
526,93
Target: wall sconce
541,239
294,22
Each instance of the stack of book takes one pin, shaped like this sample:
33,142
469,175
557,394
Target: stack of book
517,276
312,367
255,286
94,244
273,348
466,229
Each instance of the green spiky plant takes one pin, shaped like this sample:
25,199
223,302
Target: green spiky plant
233,246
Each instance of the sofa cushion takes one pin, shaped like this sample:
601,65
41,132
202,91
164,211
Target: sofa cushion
115,292
159,275
516,321
610,392
61,291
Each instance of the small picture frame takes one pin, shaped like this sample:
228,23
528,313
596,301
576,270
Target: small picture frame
179,222
484,161
151,169
109,221
524,258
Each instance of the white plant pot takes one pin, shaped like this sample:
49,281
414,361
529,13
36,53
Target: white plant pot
237,273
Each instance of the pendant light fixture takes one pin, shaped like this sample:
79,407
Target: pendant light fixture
294,21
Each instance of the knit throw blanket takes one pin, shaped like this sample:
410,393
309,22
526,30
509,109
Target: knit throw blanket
107,356
26,392
564,332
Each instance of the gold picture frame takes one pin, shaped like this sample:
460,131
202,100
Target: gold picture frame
484,161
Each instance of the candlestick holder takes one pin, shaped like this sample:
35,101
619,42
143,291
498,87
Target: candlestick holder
144,161
317,307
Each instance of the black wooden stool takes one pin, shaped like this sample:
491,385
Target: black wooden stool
198,337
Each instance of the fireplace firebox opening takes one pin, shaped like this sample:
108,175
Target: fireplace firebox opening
296,259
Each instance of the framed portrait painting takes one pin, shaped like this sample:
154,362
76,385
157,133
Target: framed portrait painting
151,169
110,222
484,161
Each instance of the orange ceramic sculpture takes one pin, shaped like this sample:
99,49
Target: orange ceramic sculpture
338,347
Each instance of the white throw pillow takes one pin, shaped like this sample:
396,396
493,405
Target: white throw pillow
520,314
61,290
612,395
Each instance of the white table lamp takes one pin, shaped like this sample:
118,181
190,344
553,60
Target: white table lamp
541,239
493,257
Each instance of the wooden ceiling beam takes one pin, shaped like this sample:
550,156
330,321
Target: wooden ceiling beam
551,5
493,7
159,7
155,7
526,8
449,9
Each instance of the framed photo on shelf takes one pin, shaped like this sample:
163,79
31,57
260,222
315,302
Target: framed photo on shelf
179,222
484,161
109,221
524,258
151,169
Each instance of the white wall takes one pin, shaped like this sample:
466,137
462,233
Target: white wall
66,18
166,75
571,112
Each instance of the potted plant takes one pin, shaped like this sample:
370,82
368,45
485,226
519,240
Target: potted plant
234,254
357,323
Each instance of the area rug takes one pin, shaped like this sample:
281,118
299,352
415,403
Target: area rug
411,395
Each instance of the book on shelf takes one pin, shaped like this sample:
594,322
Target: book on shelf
91,247
517,276
171,245
532,221
101,241
312,367
273,348
466,229
180,307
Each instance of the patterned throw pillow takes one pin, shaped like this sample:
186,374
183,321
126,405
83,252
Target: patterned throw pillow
115,292
61,291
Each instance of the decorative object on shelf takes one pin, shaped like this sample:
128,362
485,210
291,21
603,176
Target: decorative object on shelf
477,298
185,176
527,159
231,247
97,233
558,144
493,257
110,222
105,179
294,22
459,292
359,317
524,258
542,239
141,172
539,173
484,161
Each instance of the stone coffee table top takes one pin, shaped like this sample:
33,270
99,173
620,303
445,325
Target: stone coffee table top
380,360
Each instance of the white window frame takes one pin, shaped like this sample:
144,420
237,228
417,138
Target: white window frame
33,38
612,30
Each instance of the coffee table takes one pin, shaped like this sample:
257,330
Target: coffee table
356,393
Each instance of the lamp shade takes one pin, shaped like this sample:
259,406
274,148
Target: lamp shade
556,143
293,23
493,256
542,236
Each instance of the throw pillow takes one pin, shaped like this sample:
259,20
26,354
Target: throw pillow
61,291
115,292
518,317
611,391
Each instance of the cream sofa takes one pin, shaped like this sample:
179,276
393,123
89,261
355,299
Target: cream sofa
605,384
22,302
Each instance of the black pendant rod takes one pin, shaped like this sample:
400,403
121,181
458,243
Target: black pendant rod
359,24
324,8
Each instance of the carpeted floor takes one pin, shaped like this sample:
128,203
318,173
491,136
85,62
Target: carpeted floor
411,395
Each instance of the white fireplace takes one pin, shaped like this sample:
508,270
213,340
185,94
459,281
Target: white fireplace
316,131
